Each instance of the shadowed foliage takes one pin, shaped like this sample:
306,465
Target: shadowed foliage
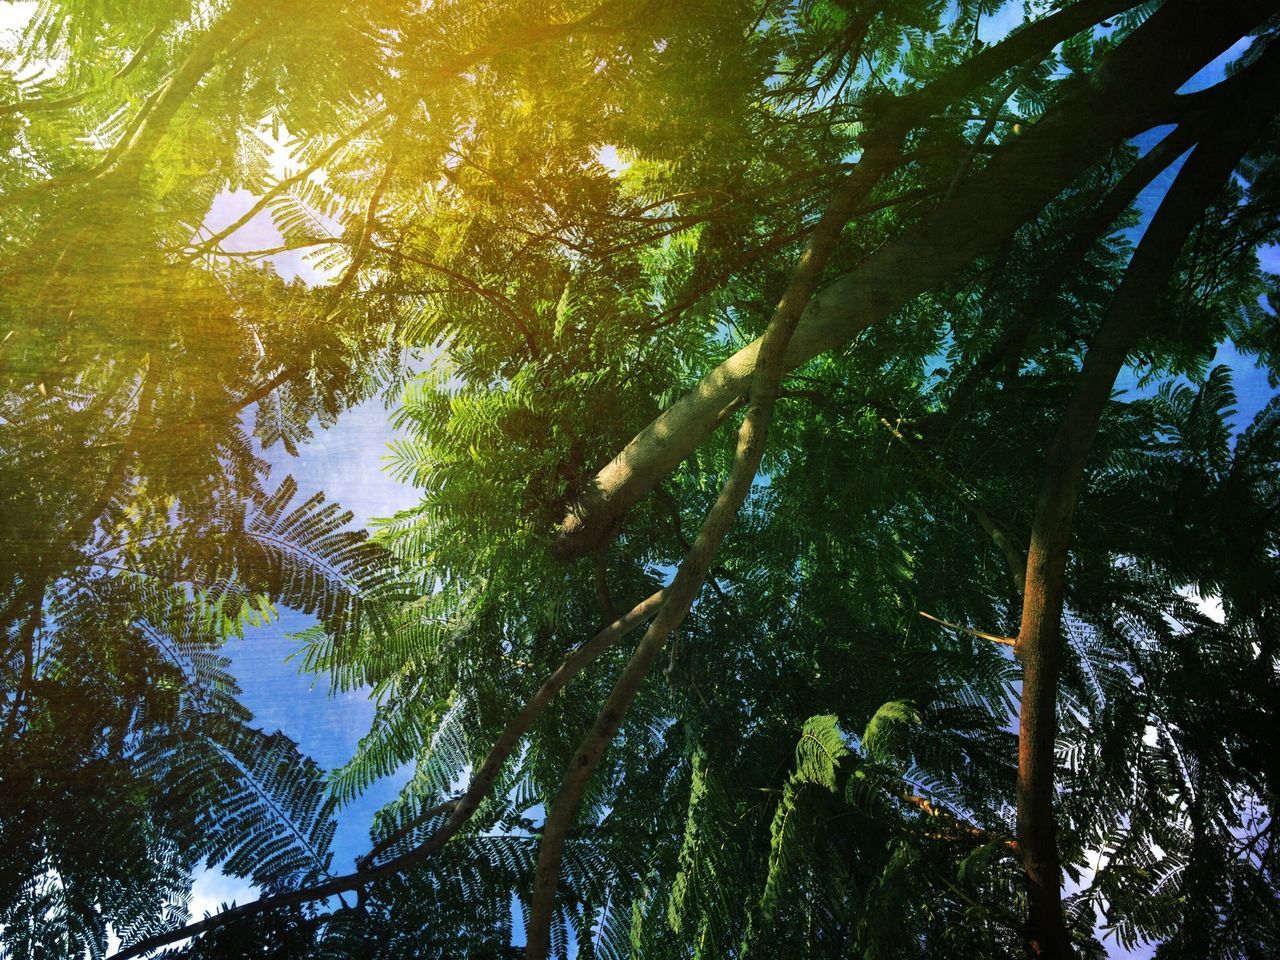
802,320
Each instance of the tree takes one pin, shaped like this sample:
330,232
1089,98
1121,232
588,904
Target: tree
900,264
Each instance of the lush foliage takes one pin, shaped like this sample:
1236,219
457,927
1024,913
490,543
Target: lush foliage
541,224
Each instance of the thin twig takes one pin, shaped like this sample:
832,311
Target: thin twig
980,634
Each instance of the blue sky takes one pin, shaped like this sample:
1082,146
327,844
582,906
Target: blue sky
345,462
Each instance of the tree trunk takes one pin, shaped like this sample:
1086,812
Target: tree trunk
1039,639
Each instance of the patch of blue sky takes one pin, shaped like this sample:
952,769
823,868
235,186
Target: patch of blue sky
344,461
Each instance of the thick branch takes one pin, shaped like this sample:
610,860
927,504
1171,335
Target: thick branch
404,832
1039,639
985,211
1034,41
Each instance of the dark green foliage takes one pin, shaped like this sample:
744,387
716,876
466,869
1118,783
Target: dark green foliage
560,216
128,761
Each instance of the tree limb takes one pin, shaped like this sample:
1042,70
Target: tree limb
208,244
497,299
989,124
958,824
1039,638
26,638
983,212
980,634
134,149
361,250
768,367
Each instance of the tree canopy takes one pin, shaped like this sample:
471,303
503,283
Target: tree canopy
782,334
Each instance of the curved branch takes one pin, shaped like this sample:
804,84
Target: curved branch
463,808
769,366
1039,638
1033,41
1084,234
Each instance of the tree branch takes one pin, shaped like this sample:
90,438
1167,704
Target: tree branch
968,830
280,186
989,124
1039,643
133,150
463,808
26,638
983,213
361,250
752,436
980,634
